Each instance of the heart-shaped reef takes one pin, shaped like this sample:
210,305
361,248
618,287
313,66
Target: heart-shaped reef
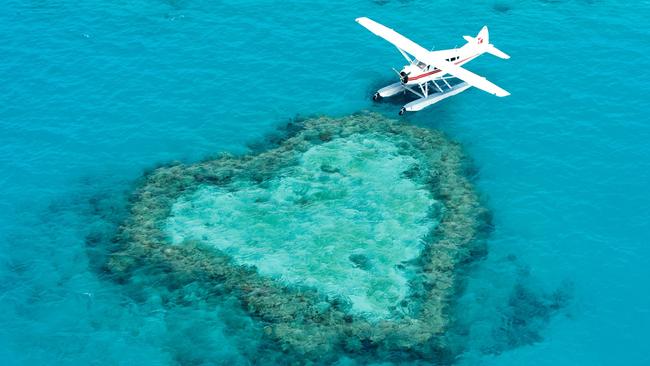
350,234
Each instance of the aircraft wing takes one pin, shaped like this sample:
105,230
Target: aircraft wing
393,37
467,76
424,55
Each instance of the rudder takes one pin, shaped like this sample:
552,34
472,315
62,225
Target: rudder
482,42
481,39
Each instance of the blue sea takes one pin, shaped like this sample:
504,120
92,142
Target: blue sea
94,93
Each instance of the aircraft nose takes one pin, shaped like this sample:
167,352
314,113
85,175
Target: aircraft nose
403,77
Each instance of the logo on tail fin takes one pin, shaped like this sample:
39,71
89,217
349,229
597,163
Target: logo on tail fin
480,40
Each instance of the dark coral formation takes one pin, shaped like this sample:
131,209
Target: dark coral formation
301,321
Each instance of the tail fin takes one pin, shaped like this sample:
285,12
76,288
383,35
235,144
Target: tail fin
483,37
482,41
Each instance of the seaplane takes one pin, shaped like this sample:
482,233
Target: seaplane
431,75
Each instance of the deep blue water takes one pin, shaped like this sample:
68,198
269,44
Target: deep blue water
95,92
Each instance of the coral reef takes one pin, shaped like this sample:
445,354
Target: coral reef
350,235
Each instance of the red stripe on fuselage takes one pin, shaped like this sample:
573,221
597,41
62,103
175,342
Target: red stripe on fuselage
437,71
423,75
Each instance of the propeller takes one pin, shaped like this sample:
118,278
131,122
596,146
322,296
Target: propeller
403,77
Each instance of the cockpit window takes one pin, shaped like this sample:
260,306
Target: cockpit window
420,64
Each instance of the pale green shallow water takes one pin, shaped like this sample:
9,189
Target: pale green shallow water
342,220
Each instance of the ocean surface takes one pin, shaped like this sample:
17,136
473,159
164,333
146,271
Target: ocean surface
94,93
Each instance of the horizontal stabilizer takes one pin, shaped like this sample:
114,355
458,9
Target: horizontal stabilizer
496,52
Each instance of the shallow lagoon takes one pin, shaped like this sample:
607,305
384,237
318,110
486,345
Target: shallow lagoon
340,221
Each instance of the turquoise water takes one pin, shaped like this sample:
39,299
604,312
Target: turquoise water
94,93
